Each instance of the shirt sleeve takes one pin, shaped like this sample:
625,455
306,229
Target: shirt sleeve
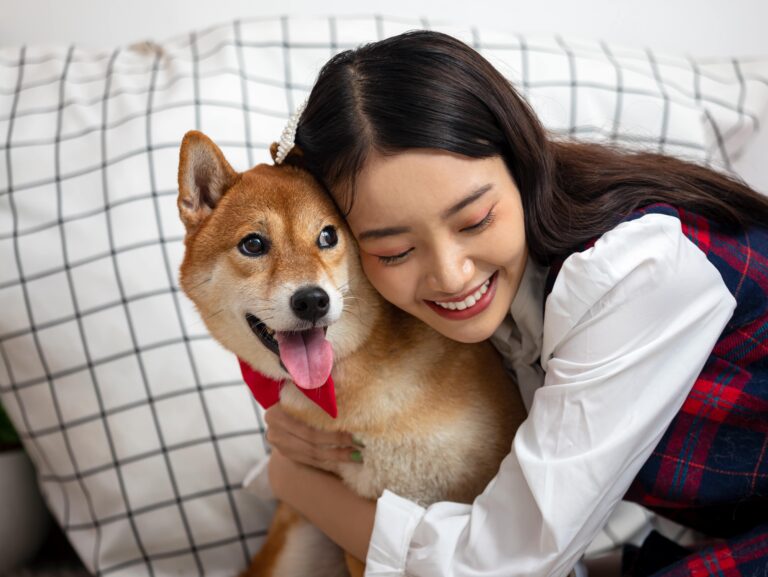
627,329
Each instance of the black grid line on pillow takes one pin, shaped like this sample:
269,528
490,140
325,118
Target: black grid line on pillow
527,86
185,336
120,109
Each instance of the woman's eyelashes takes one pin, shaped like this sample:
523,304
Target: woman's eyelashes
395,258
484,223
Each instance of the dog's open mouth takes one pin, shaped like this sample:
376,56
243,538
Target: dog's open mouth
306,355
265,334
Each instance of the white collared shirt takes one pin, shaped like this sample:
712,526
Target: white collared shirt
626,331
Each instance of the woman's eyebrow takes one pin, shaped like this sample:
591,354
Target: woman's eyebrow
382,232
395,230
469,199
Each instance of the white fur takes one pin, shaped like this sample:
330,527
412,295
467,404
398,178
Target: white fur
308,551
420,468
282,317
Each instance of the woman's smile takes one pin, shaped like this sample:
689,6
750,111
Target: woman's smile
461,308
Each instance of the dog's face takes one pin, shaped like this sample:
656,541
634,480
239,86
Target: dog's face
269,262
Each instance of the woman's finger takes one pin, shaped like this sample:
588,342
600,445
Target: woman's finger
321,456
307,453
277,418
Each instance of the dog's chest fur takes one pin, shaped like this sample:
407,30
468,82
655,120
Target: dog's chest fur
446,455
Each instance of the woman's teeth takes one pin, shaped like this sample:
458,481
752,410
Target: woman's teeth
468,302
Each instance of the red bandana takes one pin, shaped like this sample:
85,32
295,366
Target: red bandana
267,391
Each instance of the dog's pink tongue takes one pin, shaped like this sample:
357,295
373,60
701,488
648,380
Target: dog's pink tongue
307,356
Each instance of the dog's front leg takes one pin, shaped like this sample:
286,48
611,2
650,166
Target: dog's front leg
355,567
295,548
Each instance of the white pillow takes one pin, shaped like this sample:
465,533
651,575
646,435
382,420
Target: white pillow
137,422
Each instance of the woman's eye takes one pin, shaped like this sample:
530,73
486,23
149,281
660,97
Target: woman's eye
487,219
253,245
328,237
395,258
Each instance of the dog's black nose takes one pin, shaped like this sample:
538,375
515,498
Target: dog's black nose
310,303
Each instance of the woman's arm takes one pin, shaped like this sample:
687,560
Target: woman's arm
325,501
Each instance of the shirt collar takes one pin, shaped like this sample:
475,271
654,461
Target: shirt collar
519,337
527,309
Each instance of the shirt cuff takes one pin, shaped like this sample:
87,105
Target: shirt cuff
393,527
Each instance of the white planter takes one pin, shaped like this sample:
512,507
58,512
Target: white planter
24,518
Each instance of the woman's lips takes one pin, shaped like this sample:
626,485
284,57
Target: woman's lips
480,305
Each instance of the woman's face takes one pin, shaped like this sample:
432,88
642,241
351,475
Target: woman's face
441,236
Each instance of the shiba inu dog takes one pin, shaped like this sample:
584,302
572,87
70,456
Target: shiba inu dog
274,271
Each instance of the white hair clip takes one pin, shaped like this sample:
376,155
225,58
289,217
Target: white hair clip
289,134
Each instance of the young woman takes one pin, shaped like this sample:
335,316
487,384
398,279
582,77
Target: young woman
627,292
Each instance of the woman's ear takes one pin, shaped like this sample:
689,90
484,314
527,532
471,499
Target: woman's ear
204,177
295,156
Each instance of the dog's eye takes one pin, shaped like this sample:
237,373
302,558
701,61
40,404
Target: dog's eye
253,245
328,237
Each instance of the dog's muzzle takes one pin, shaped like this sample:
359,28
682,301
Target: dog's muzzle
303,350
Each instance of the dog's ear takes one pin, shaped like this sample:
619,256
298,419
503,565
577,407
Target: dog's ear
295,156
204,177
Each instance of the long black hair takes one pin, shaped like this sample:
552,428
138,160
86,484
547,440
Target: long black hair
425,89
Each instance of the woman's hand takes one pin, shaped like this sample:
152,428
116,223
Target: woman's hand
304,444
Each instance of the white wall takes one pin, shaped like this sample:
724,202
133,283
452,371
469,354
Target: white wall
699,27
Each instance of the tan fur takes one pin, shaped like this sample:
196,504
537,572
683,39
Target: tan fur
436,416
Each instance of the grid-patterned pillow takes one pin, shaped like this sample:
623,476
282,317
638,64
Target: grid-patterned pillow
137,422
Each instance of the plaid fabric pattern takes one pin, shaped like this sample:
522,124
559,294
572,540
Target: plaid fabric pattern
711,467
745,556
710,470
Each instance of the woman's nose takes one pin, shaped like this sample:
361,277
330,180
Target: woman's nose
451,272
